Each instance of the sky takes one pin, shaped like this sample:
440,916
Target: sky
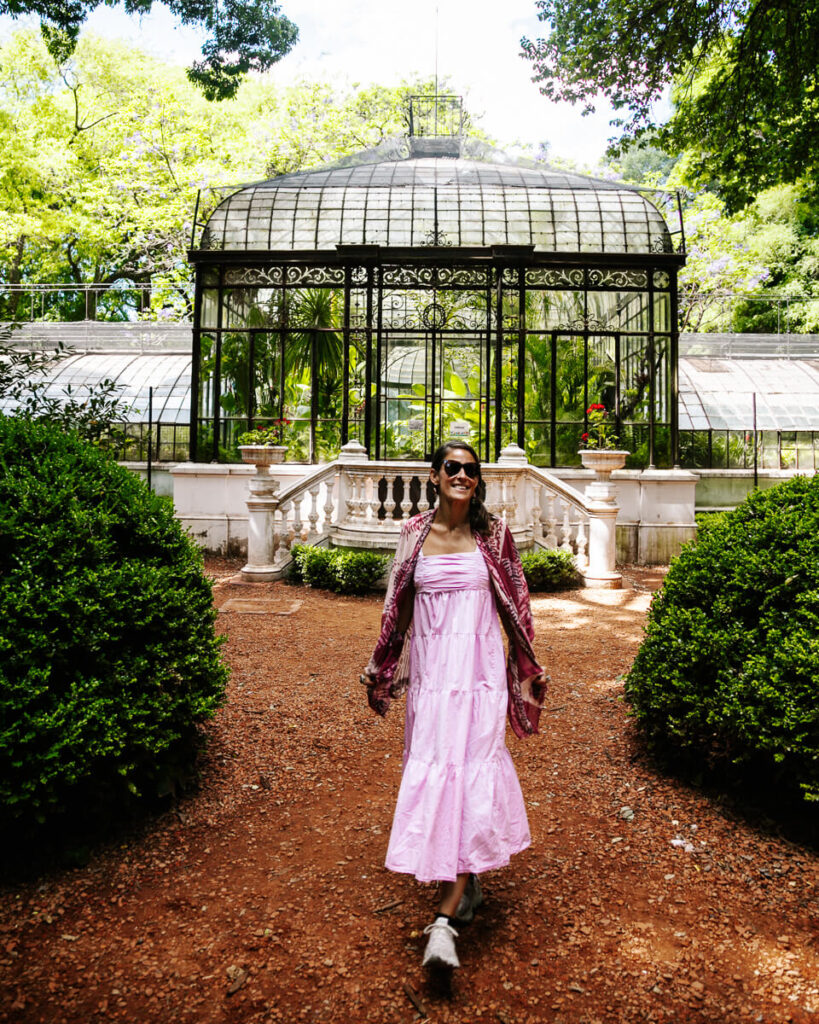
384,41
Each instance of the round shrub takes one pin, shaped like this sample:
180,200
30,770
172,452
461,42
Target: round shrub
108,657
549,569
728,673
346,572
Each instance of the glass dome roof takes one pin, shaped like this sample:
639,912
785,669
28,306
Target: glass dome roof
474,196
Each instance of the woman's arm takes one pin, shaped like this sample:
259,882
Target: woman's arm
406,610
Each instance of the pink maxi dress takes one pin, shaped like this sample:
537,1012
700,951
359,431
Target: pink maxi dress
460,806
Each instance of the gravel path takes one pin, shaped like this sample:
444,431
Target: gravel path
263,897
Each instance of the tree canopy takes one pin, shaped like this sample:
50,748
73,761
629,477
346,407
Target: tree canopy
102,154
244,35
744,77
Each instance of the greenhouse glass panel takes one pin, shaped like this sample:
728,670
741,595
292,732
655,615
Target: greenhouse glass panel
433,287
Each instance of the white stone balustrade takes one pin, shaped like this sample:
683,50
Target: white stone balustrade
353,502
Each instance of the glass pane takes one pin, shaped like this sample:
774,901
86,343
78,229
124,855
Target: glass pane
210,308
662,311
406,411
235,397
635,376
460,409
357,392
267,376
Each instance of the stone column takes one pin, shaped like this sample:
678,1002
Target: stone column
261,509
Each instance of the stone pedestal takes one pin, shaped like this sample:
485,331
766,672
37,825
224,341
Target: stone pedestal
261,510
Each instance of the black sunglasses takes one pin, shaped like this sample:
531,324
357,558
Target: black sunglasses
452,468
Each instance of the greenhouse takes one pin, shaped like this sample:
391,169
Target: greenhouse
434,288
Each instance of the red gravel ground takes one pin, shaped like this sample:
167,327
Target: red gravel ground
263,897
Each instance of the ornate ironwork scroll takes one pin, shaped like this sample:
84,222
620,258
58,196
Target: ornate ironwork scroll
407,277
618,279
661,243
434,316
255,276
463,277
554,277
662,280
316,277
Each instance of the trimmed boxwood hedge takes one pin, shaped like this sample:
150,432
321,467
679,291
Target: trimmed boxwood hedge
108,656
550,569
346,572
729,670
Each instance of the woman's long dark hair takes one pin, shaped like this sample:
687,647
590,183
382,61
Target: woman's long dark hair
479,517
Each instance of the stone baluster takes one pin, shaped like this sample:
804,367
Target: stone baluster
329,504
350,495
550,521
512,501
537,515
423,502
297,523
358,495
581,557
566,530
313,515
374,504
389,500
285,534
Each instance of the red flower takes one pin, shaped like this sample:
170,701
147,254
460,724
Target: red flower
596,407
584,437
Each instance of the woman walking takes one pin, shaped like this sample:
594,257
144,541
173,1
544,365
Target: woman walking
460,809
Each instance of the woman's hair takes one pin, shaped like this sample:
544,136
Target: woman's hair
479,517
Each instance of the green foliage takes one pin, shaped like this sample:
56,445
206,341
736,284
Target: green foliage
108,658
103,154
549,569
315,566
249,35
744,80
357,571
729,669
346,572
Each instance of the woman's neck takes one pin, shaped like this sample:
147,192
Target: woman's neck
452,515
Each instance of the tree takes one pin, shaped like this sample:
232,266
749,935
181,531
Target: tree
245,35
102,155
744,77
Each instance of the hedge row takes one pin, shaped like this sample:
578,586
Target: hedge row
728,673
108,657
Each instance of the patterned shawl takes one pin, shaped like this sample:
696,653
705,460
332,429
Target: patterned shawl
387,674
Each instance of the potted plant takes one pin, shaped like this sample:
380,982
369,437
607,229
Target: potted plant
599,445
263,446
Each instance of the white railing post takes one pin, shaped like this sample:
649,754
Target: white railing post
261,511
601,570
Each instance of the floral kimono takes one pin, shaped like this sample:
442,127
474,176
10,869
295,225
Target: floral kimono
387,674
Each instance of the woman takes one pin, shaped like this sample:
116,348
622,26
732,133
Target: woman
460,809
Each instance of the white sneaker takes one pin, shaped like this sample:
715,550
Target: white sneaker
440,951
472,898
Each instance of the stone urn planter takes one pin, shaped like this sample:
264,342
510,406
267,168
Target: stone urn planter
260,455
603,461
